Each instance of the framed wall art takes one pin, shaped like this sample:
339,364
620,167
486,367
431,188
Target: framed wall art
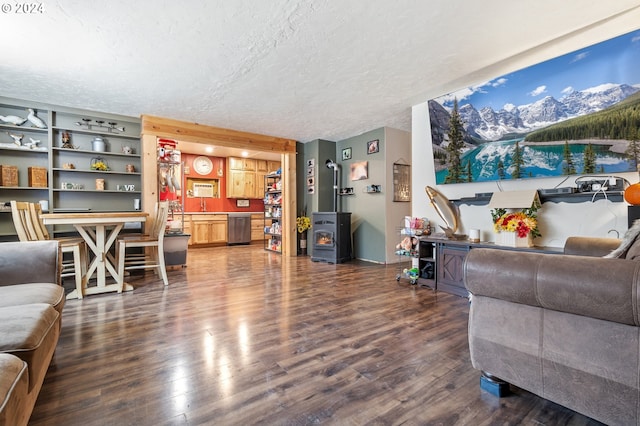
359,170
346,154
373,146
401,182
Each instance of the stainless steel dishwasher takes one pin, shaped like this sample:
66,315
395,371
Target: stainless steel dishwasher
238,228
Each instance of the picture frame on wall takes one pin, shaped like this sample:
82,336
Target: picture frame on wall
373,146
346,154
359,170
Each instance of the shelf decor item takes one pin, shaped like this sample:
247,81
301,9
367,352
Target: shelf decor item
35,120
8,175
99,184
37,177
98,144
99,164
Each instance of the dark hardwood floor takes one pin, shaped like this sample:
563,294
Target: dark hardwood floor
242,336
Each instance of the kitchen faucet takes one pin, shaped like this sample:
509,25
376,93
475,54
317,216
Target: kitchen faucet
203,204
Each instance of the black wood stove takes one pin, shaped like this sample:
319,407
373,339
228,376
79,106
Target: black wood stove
331,237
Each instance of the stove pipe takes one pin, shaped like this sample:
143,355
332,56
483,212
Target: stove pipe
332,165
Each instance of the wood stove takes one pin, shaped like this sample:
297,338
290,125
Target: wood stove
331,237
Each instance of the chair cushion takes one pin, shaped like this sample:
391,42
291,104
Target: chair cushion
30,332
14,383
26,294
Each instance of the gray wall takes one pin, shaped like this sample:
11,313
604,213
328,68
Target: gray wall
375,218
367,210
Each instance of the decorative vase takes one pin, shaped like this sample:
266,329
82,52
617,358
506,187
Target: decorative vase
511,239
303,243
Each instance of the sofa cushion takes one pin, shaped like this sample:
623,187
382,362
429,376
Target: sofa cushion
30,332
26,294
14,383
42,258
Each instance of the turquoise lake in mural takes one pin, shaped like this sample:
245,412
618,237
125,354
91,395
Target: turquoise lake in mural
539,160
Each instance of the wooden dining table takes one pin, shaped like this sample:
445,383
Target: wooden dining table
99,231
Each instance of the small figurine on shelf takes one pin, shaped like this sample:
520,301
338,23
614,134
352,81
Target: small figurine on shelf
17,139
13,119
66,141
32,144
35,120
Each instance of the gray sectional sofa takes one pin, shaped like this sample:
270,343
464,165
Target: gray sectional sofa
565,327
31,303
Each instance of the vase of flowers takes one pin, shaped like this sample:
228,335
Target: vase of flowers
303,224
516,229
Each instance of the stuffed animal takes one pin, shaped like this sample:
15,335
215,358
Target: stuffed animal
405,244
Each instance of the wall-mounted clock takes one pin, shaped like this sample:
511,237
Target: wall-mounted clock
202,165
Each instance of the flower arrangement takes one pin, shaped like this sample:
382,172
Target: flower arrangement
522,223
303,223
99,164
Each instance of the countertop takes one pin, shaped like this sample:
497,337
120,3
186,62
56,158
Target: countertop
227,213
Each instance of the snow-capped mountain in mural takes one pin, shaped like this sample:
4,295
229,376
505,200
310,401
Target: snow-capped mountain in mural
492,125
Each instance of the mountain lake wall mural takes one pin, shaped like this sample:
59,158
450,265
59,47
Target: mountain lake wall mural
575,114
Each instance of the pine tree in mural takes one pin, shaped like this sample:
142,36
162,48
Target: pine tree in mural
468,171
633,150
501,173
518,162
454,148
589,160
569,168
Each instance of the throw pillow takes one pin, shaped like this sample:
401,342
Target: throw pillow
630,246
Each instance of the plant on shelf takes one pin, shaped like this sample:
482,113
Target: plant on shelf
522,222
99,164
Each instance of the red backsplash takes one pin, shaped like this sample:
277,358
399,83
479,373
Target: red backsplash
222,204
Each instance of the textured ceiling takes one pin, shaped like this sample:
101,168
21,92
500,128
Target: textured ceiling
297,69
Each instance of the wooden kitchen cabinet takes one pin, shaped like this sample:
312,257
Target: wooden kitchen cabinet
257,227
241,184
208,229
244,164
262,166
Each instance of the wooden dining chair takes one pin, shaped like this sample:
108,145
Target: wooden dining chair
75,267
23,221
153,244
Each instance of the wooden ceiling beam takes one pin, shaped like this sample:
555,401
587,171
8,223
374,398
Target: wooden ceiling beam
194,132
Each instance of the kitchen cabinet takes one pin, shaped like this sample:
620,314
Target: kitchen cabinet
243,164
241,184
208,229
246,176
257,227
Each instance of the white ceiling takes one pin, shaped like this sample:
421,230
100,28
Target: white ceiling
299,69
